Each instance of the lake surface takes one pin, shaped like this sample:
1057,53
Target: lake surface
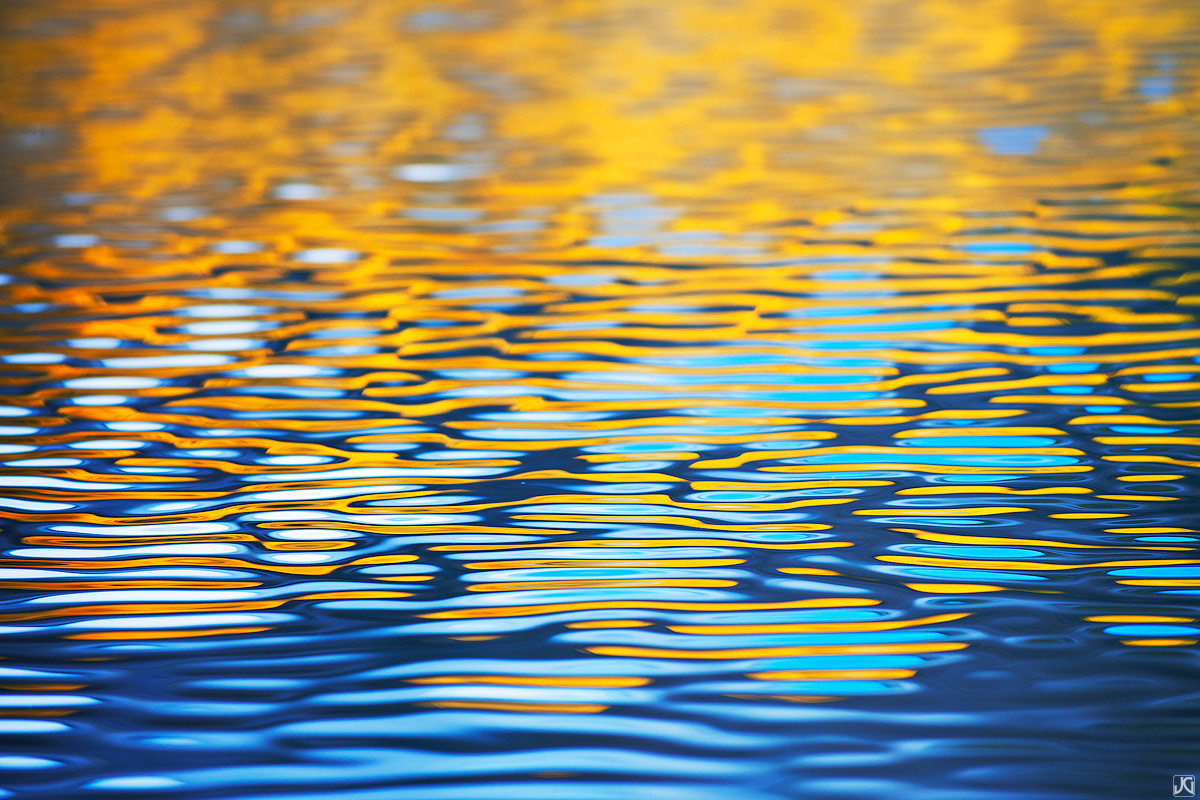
575,400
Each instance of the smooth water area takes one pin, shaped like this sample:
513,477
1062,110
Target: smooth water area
575,400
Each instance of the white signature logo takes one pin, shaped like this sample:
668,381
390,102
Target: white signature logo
1183,786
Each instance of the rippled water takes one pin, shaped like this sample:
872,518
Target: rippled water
567,401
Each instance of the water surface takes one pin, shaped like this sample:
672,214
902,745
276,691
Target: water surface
561,401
